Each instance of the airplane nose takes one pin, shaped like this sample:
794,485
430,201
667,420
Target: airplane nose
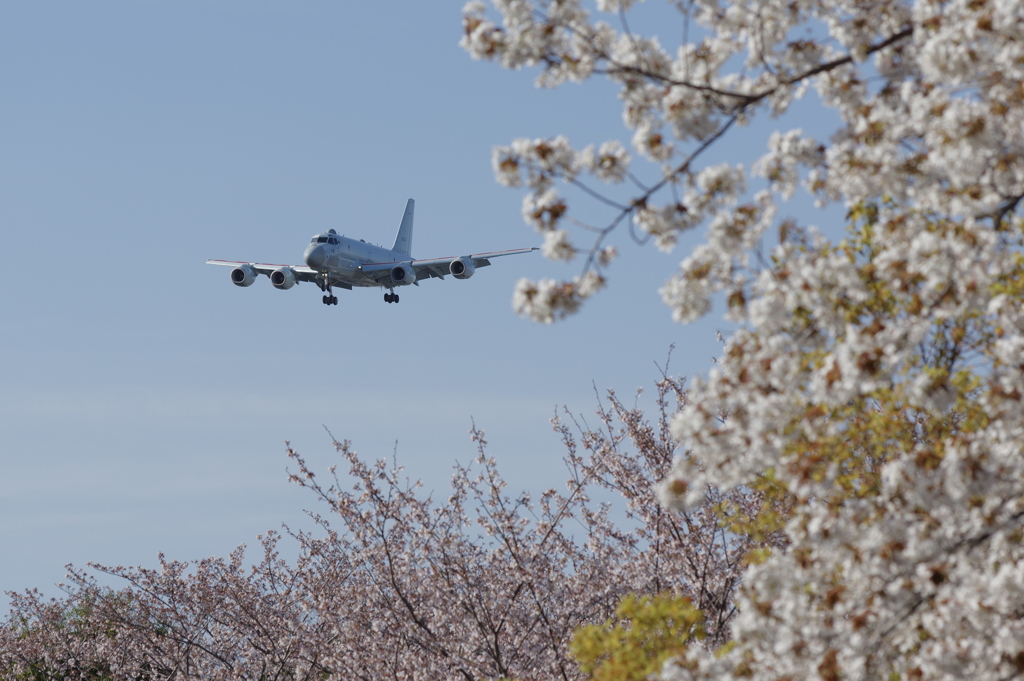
316,256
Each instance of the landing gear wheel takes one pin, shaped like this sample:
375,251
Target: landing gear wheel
395,297
325,299
334,300
389,298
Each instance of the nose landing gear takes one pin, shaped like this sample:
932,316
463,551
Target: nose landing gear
330,298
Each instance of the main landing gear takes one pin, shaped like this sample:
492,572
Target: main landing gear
330,300
391,297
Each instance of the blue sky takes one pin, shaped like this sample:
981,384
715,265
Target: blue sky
144,400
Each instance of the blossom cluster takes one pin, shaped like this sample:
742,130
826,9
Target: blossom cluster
875,387
928,94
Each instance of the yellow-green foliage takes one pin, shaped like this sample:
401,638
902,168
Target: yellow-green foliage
645,632
878,426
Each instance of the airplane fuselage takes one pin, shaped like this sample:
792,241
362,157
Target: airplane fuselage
342,258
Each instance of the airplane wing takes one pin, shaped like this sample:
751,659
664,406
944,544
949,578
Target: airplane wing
302,273
437,267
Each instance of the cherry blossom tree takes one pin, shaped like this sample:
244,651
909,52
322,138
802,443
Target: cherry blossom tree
394,583
860,437
873,385
927,92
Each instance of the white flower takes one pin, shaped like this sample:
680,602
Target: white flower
557,247
610,163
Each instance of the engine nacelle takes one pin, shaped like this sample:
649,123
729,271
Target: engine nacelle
462,268
402,275
283,278
243,275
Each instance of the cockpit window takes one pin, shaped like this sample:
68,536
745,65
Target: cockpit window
321,239
313,240
332,241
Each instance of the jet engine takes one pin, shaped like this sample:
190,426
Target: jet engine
243,275
462,268
402,275
283,278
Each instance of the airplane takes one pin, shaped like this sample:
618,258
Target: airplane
333,260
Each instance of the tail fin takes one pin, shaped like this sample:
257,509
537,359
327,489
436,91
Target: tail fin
403,241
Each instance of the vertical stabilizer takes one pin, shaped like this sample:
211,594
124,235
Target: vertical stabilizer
403,242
